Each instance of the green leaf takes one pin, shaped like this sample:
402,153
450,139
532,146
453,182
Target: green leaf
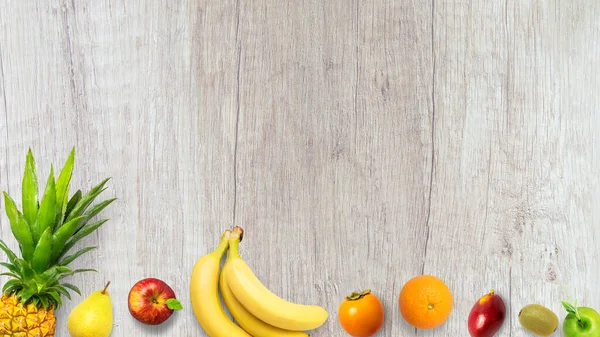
63,270
71,258
53,274
85,231
571,309
62,291
13,288
26,294
173,304
29,191
19,227
36,301
72,287
95,210
9,284
62,186
10,267
87,199
56,297
74,200
62,276
9,253
25,239
44,301
42,253
24,269
48,210
11,275
11,208
63,234
77,271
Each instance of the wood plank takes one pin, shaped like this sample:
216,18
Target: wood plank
334,149
501,184
470,243
549,139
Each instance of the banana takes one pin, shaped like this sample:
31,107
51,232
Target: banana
204,295
246,320
264,304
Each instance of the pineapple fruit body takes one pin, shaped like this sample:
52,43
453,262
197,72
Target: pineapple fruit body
18,320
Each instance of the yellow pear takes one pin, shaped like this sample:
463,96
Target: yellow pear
93,317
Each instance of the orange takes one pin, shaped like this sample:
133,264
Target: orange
425,302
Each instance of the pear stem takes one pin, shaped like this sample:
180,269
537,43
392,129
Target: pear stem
105,287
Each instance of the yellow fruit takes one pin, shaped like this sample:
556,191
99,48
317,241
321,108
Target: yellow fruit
245,319
264,304
204,295
93,317
26,321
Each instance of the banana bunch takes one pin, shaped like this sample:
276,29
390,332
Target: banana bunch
257,310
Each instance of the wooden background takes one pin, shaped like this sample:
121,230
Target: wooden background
359,143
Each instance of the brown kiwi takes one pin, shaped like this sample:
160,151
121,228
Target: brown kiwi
538,320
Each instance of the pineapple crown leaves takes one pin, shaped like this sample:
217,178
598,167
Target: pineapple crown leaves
46,230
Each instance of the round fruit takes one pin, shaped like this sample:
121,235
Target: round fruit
425,302
538,320
581,321
151,301
361,314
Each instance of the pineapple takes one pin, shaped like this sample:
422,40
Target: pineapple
46,230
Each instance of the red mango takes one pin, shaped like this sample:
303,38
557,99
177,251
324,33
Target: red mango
487,315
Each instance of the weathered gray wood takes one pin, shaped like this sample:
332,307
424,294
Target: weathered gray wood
358,143
334,152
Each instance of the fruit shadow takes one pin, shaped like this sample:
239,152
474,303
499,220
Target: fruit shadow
159,330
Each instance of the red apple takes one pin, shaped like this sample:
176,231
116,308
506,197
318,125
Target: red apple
151,301
486,316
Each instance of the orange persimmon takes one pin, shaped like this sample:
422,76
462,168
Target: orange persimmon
361,314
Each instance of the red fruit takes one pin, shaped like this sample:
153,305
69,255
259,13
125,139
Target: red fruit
151,301
487,315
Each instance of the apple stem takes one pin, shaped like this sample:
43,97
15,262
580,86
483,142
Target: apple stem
105,287
577,314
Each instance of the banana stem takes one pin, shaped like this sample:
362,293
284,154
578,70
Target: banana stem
233,247
237,232
222,247
234,238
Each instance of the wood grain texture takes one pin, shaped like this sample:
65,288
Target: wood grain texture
358,143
